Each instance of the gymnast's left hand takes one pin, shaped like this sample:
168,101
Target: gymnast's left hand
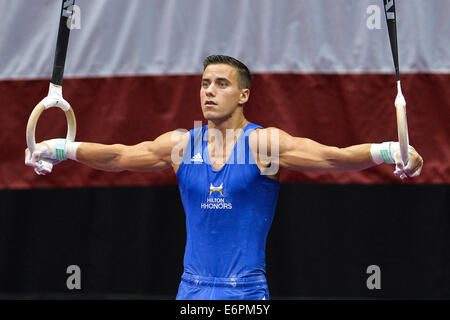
412,168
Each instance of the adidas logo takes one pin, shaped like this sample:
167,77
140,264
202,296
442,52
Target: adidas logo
197,158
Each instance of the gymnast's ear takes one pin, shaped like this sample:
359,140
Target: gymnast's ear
245,94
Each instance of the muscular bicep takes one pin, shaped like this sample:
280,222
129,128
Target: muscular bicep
308,155
279,149
154,155
275,145
305,154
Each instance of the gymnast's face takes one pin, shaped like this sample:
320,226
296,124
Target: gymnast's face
220,95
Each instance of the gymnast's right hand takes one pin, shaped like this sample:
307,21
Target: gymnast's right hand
46,154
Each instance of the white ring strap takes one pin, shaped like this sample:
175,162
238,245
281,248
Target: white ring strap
54,99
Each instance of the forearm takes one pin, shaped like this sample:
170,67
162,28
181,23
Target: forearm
353,158
359,157
142,157
100,156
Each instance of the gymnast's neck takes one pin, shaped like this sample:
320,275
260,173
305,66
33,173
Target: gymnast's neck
236,120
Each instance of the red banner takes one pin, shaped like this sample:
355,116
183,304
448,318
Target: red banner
339,110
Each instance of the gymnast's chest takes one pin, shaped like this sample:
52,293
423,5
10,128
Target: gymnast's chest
231,180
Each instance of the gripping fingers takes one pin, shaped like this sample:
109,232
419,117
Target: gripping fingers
400,173
414,166
28,161
43,167
32,160
399,170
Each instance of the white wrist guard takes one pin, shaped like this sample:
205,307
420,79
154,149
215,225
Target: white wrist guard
71,149
384,152
62,149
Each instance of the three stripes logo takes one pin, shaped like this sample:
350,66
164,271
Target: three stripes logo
60,149
197,158
60,154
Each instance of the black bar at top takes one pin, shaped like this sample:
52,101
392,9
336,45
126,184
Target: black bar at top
391,17
62,42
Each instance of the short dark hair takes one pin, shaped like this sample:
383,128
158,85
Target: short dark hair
243,73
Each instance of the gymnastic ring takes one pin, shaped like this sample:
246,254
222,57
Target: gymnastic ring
54,99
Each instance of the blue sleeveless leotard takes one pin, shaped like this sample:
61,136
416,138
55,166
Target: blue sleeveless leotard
228,216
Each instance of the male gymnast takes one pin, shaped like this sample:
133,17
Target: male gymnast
228,179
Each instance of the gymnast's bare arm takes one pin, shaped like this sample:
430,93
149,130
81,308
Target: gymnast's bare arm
146,156
307,155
